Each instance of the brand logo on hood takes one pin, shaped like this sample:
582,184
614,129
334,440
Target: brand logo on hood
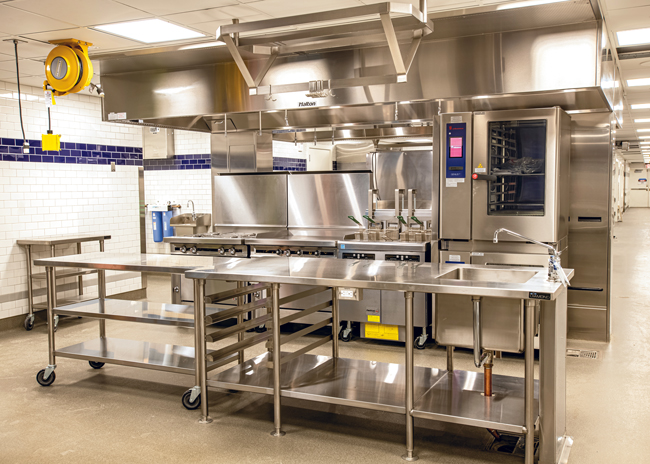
311,103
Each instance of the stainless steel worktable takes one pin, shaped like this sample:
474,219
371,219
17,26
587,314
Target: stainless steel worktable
134,353
52,242
517,405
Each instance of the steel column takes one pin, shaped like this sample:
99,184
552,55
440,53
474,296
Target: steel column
529,379
450,358
81,280
409,392
30,294
51,296
199,350
52,254
277,364
335,322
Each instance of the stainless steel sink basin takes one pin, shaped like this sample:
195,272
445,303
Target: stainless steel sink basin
187,220
490,275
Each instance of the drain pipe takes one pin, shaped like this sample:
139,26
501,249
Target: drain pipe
487,374
479,357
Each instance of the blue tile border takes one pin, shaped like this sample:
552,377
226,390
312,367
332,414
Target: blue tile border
70,153
289,164
179,162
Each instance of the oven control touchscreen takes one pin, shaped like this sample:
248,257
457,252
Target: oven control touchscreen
456,150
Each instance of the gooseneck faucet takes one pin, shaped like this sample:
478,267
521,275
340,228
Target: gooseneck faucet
193,213
555,271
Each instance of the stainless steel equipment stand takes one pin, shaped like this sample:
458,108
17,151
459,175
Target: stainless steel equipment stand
51,243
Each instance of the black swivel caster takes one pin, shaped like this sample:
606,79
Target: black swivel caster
187,403
45,382
260,329
345,337
29,323
96,364
419,344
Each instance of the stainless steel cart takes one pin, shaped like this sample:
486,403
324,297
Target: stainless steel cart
52,242
133,353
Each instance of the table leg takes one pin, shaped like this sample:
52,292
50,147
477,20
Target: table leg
199,349
30,289
101,290
409,393
52,254
81,280
51,328
450,358
277,362
335,323
240,320
529,381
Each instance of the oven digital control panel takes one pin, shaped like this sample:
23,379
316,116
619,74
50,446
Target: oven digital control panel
456,150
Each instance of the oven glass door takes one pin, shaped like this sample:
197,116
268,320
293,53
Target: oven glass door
517,157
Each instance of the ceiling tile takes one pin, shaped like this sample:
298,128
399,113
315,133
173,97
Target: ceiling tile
36,81
31,49
244,11
280,8
210,27
100,40
199,16
83,13
15,21
168,7
27,67
6,57
631,18
624,4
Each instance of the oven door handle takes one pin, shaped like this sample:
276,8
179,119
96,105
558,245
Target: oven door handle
489,177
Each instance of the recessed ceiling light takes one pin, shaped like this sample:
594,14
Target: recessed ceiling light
633,37
150,31
526,3
640,106
638,82
642,120
644,136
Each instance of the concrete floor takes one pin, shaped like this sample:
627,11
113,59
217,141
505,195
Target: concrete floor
120,414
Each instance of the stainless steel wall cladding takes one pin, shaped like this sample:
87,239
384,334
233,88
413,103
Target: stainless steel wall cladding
326,200
250,200
241,152
515,69
405,170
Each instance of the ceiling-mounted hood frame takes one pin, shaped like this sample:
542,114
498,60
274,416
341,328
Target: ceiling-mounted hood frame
395,22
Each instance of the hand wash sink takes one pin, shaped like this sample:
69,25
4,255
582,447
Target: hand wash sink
190,224
490,275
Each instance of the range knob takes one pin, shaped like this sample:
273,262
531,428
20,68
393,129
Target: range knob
183,249
221,251
193,250
287,252
299,253
232,251
278,251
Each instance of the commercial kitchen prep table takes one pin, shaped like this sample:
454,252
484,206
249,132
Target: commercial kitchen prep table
134,353
518,405
52,242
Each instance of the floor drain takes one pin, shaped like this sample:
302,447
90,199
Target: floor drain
588,354
507,443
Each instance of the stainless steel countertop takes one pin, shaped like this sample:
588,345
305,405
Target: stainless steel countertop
167,264
63,239
384,275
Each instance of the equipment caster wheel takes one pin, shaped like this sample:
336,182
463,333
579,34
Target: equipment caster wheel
345,337
420,342
186,400
260,329
96,364
45,382
29,323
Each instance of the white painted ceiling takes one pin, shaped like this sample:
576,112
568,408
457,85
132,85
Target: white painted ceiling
38,21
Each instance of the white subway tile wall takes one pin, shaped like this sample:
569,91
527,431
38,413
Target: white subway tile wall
178,186
40,199
191,143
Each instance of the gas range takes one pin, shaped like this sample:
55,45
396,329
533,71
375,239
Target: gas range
211,244
292,245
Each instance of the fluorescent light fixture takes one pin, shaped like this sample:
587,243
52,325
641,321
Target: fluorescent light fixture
643,130
633,37
334,107
642,120
638,82
405,102
526,3
202,45
644,136
640,106
150,31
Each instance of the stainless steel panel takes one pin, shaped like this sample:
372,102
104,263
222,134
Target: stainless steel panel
458,399
157,143
590,229
553,225
240,152
502,322
512,259
404,170
456,257
358,311
392,309
326,200
250,200
351,382
456,198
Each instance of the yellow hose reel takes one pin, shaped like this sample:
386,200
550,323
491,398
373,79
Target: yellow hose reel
68,68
